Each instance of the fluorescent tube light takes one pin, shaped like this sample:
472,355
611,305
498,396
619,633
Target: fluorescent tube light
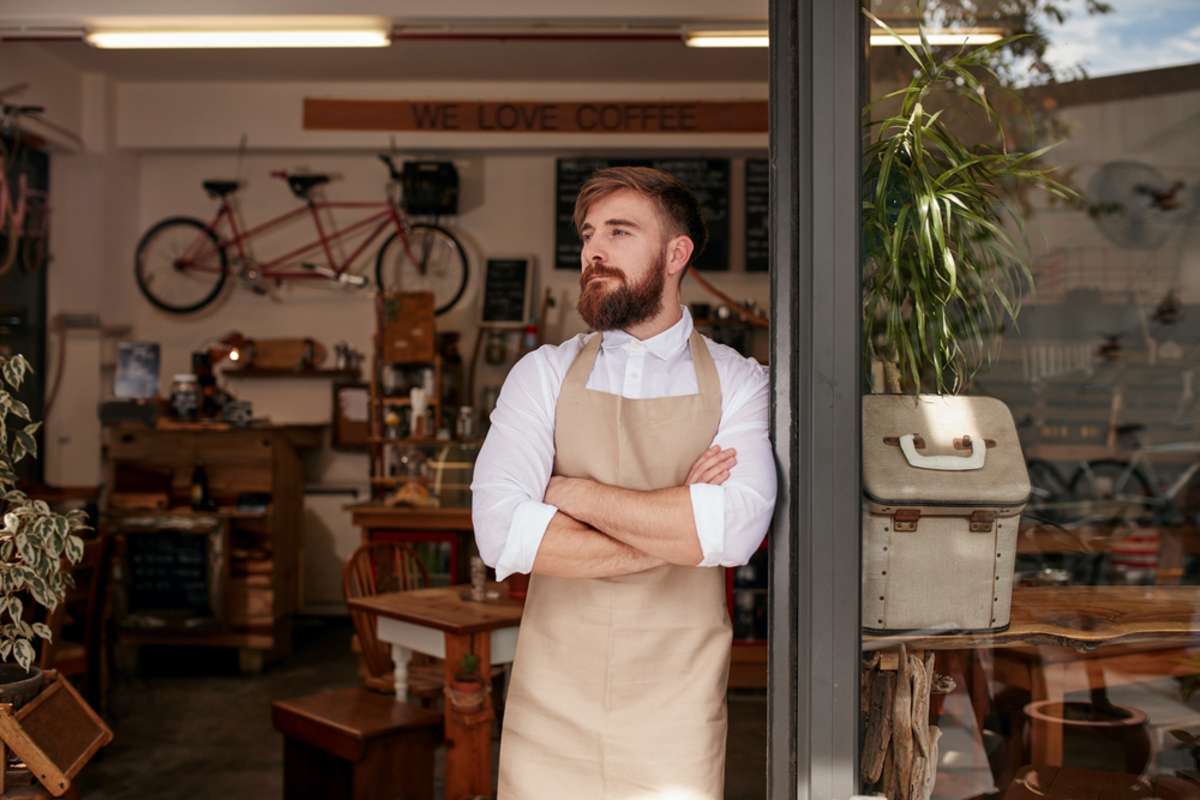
758,38
966,36
733,38
165,39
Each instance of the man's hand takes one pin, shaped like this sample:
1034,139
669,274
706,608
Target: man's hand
713,466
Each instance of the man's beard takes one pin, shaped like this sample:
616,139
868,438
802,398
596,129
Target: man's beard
623,306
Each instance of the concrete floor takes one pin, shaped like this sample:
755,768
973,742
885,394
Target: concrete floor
188,726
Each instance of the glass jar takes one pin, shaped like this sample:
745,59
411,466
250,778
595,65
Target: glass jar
185,396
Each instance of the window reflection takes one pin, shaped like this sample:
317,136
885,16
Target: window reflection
1092,689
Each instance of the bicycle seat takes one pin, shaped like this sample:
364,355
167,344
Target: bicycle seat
1125,430
221,188
301,185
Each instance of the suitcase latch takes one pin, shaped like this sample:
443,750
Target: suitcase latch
982,521
904,520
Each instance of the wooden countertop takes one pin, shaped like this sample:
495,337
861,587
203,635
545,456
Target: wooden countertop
444,609
378,515
1082,617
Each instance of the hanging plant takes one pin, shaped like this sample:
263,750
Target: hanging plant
33,539
942,275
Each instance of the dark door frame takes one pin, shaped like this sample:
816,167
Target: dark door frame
817,57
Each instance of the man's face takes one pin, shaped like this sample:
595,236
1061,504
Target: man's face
623,261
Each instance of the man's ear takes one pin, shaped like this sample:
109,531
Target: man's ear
679,253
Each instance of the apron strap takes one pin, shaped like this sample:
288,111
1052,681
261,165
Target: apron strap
708,382
581,368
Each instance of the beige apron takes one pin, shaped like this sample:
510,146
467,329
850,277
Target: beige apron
618,686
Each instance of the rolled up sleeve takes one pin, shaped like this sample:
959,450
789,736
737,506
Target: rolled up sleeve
513,469
732,519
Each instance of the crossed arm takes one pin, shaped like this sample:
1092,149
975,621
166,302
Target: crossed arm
603,531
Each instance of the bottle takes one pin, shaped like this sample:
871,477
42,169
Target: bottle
529,339
201,501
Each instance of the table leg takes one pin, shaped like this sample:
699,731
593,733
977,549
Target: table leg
400,656
469,738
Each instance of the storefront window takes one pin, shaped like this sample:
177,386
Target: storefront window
1031,439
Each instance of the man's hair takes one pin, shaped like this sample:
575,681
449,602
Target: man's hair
678,207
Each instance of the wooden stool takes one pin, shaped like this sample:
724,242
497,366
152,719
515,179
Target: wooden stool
1065,783
356,744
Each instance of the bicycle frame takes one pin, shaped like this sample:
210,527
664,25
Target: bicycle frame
1144,458
385,215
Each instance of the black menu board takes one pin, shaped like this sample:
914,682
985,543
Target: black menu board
707,177
758,199
506,291
169,571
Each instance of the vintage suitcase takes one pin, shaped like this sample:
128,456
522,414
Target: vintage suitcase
944,484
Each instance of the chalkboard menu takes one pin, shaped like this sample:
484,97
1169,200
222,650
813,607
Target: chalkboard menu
758,199
171,569
506,291
708,178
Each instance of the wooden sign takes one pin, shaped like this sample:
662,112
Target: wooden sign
598,116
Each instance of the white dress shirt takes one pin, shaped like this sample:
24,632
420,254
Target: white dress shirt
517,458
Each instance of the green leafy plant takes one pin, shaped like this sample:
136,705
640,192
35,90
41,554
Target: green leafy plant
469,665
33,539
942,274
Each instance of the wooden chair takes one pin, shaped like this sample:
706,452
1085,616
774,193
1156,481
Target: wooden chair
389,567
354,744
85,604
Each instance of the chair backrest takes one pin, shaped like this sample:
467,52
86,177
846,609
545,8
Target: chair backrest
373,569
89,593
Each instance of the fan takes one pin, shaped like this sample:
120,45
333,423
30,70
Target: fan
1135,206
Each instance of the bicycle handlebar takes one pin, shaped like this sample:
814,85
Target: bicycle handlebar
18,111
387,159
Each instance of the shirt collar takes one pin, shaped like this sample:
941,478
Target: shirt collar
664,345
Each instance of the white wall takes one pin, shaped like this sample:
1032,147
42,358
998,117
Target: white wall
173,136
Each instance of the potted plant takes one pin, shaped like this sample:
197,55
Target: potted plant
942,276
33,542
466,690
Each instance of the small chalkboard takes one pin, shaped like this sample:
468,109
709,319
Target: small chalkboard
758,200
506,291
708,178
175,565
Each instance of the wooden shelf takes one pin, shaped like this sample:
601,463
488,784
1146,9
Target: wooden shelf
388,440
253,372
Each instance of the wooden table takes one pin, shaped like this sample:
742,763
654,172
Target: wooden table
441,623
1060,627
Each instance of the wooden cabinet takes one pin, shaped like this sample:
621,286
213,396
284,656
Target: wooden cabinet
255,479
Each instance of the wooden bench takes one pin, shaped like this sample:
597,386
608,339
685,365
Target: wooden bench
356,744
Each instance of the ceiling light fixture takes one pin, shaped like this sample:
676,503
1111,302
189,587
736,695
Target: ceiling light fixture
936,38
727,38
204,36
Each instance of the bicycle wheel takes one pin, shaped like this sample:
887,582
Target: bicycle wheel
35,244
1049,496
180,265
434,261
1108,490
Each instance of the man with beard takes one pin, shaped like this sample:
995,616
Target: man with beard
624,469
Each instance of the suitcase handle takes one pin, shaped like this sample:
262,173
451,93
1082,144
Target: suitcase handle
943,463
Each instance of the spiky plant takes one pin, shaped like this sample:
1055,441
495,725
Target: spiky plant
942,275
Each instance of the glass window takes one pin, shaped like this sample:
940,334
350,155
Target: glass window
1031,521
